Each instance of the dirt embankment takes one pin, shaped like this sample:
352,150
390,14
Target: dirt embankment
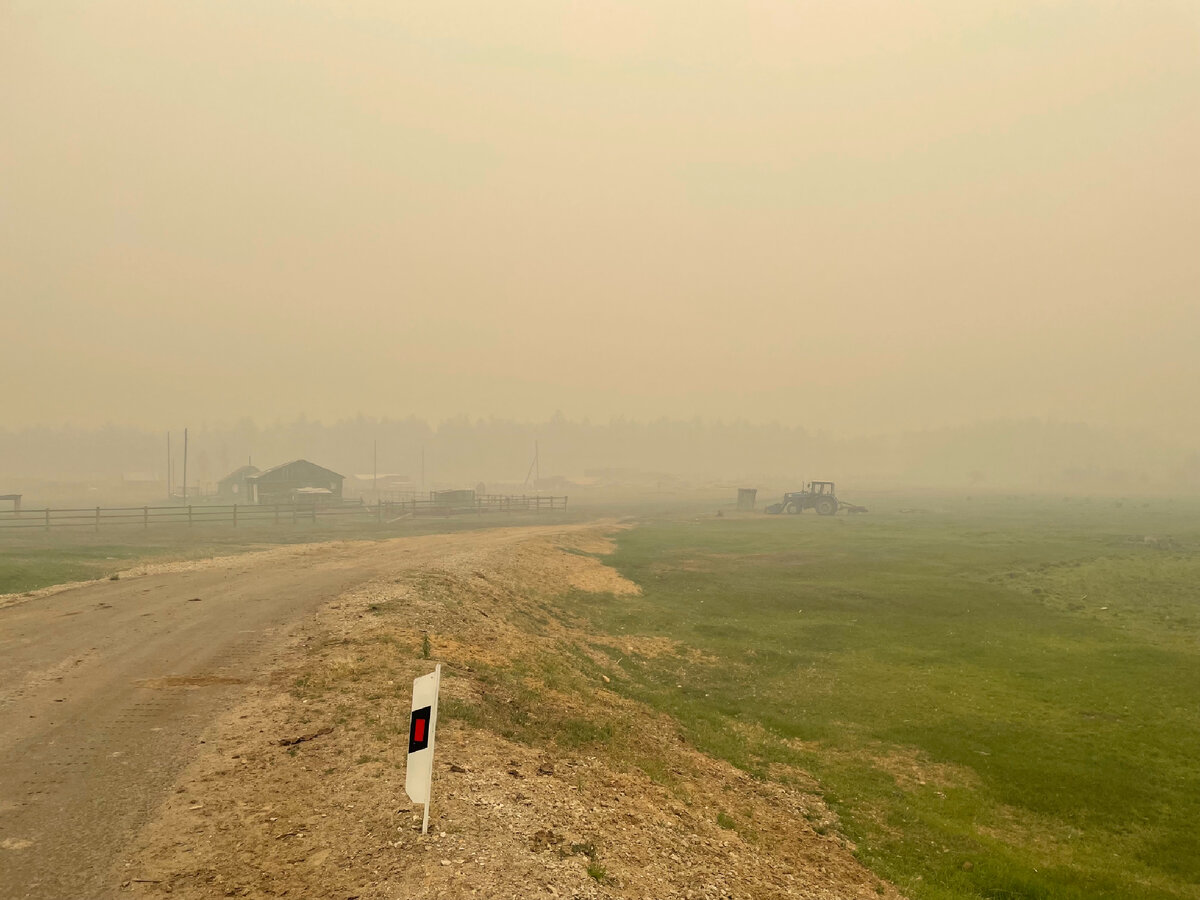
547,783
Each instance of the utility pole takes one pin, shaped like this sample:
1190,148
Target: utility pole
535,468
185,442
422,468
375,471
169,488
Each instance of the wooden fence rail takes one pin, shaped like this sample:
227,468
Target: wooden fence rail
237,515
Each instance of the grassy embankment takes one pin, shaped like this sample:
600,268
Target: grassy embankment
999,697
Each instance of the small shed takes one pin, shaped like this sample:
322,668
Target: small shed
283,483
746,499
233,486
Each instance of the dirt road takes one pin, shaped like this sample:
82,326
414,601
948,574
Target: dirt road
106,690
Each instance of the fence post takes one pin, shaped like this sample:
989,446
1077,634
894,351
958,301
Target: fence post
379,510
314,512
145,517
235,515
276,513
47,518
293,513
189,515
97,518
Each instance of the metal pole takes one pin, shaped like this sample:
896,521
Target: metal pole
185,443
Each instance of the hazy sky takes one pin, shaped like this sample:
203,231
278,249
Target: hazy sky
862,215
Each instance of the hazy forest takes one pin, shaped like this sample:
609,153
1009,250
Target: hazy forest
1002,455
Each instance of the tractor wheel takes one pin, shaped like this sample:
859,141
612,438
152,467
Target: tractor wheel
792,508
826,506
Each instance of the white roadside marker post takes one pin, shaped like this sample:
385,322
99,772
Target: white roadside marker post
418,778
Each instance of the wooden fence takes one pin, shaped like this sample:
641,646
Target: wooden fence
279,514
392,509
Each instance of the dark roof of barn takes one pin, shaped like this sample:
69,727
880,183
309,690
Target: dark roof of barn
278,473
238,473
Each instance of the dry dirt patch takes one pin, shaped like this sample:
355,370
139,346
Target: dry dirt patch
547,784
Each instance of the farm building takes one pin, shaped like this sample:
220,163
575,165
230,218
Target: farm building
295,481
389,485
233,486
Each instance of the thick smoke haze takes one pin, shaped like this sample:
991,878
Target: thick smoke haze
855,217
574,457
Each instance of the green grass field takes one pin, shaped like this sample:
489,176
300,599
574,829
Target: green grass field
1000,697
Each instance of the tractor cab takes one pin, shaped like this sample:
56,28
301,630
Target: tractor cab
820,488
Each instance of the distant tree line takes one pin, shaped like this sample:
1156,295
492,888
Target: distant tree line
1031,454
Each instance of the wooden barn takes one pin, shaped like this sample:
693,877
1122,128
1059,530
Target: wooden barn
233,488
298,481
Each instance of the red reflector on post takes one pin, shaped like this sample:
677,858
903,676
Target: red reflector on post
419,730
